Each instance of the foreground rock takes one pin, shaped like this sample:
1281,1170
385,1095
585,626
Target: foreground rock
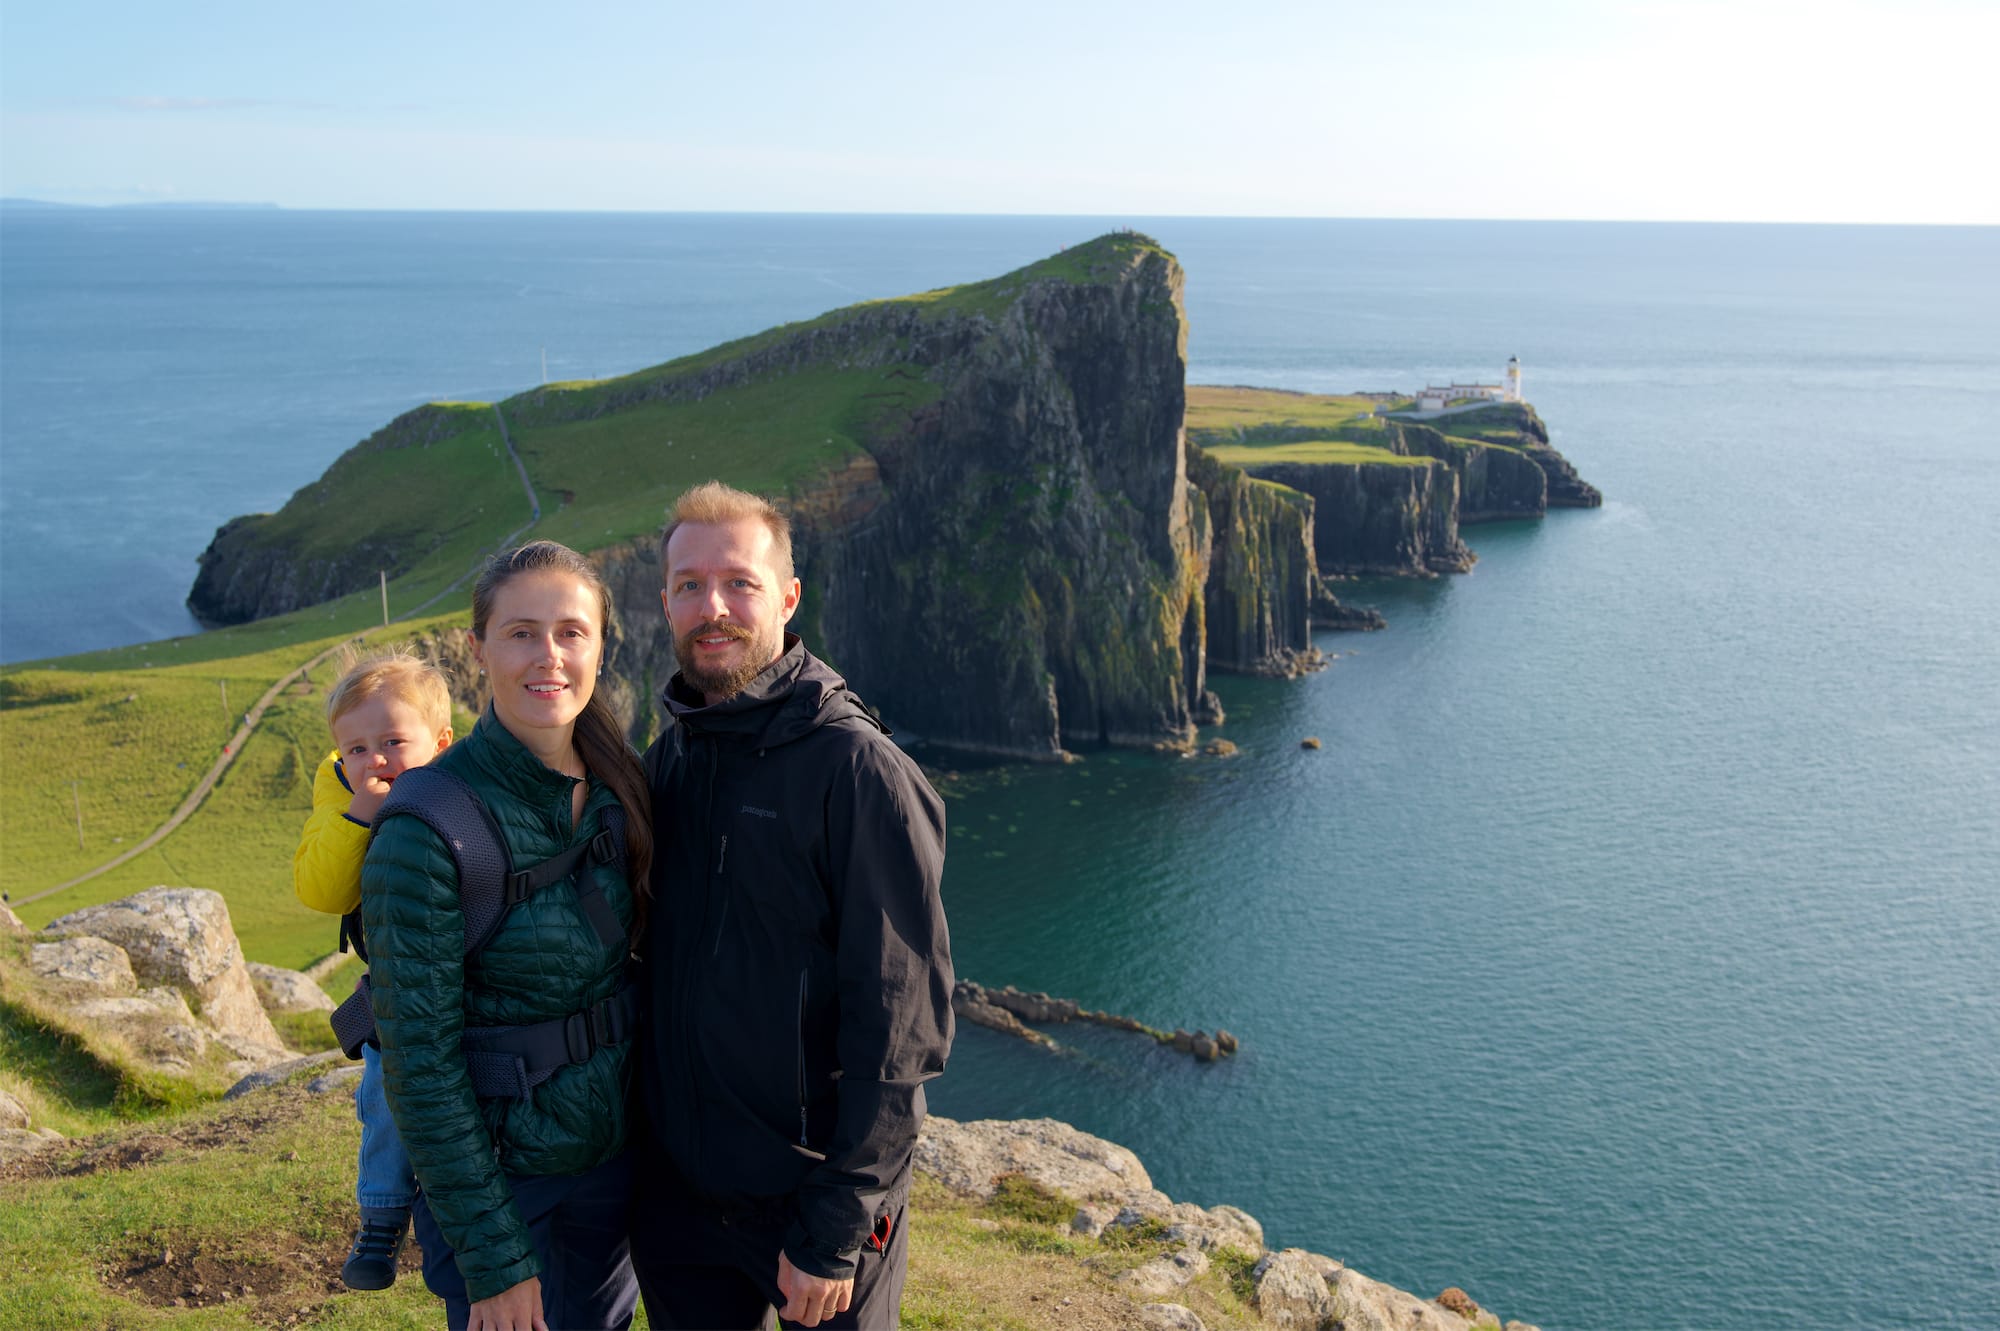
1296,1290
85,965
281,990
177,942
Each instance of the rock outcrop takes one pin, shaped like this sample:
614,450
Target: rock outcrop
1394,518
1495,482
1263,583
1296,1290
281,990
178,942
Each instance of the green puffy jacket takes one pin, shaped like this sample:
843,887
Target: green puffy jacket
545,961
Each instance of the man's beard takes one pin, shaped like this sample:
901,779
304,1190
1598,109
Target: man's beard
729,681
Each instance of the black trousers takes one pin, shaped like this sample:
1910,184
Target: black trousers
700,1270
577,1224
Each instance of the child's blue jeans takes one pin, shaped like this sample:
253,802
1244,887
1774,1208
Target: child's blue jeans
386,1182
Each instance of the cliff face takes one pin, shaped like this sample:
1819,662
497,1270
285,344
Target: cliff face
264,564
1495,482
1517,426
1006,541
1259,595
1032,580
1379,518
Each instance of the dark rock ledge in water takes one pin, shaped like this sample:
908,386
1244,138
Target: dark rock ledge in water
1009,1010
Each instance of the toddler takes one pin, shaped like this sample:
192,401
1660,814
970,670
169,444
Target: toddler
389,711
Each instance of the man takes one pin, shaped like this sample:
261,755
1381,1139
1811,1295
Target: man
796,991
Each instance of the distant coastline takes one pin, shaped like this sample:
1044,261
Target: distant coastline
150,205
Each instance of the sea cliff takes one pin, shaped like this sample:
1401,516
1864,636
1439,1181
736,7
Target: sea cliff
1007,538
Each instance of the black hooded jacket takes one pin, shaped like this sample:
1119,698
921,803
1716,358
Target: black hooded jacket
796,985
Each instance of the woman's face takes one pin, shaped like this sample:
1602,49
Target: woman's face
543,645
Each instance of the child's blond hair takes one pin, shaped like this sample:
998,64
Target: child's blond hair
396,671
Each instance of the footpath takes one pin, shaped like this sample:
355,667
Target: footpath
207,784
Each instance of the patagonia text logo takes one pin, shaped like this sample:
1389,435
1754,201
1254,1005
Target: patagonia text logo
761,813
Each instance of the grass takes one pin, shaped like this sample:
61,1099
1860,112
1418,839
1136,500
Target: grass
1218,415
258,1193
74,1079
1311,450
240,841
614,475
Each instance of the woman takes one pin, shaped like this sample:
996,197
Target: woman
524,1187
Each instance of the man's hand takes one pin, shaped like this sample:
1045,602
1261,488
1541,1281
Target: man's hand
810,1300
516,1309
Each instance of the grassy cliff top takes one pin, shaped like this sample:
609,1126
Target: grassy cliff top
1246,426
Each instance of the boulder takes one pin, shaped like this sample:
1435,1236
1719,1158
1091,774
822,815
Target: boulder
1225,1043
280,990
85,965
1191,1225
1092,1219
1036,1007
340,1079
1165,1274
19,1143
1170,1317
1215,1227
156,1023
1456,1300
1292,1292
181,936
1361,1304
1202,1047
967,1157
10,923
12,1115
277,1072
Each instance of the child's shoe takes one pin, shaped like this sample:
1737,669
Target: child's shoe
372,1263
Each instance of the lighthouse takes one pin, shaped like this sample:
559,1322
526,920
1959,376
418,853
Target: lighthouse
1513,378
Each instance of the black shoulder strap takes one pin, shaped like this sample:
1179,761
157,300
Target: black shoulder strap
488,887
448,807
488,884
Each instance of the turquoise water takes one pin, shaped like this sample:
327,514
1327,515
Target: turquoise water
1629,955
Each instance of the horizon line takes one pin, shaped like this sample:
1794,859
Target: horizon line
10,202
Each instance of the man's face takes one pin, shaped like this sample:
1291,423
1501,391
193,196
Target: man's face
726,604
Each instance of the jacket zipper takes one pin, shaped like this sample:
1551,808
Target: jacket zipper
721,920
802,1058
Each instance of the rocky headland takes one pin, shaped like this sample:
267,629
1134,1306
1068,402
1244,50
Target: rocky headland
1022,548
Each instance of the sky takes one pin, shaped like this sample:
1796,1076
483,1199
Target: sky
1712,110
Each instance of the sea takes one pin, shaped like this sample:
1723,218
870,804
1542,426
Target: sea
1627,955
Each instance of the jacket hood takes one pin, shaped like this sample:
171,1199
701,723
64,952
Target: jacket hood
787,700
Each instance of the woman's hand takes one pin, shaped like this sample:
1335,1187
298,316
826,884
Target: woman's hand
516,1309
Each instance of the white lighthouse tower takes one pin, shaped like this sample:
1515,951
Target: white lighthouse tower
1514,379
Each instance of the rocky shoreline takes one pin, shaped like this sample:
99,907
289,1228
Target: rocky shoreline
158,980
1111,1195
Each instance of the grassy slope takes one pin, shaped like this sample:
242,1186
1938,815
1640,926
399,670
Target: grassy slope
239,842
1251,425
108,1232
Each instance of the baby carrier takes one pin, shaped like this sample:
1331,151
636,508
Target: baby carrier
502,1060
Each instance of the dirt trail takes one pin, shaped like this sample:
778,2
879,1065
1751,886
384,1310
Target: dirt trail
209,779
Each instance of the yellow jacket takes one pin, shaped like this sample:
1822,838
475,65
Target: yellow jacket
326,868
